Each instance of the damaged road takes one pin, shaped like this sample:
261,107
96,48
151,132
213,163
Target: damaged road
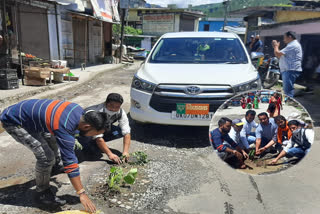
183,174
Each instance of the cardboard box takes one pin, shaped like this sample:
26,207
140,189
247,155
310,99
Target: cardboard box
34,81
74,78
38,72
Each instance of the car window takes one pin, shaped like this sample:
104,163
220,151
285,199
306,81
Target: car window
199,50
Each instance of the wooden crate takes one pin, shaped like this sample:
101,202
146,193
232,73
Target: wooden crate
37,72
33,81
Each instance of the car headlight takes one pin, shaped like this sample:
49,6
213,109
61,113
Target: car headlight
142,85
248,86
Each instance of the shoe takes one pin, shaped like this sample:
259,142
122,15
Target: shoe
48,198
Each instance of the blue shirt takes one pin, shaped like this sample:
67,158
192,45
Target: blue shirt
292,58
268,132
217,138
257,46
59,118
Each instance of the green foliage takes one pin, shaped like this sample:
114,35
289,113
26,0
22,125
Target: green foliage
116,30
142,157
251,154
131,176
117,177
217,10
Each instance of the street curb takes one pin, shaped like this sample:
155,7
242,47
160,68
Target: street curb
49,91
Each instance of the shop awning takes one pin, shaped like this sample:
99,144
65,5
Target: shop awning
75,5
105,10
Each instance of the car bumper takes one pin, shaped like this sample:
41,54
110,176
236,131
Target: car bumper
141,111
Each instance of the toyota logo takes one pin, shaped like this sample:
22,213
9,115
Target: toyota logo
193,90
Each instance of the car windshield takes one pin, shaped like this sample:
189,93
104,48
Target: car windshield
199,50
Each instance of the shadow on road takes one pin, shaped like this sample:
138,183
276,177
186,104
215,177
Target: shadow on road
21,195
170,136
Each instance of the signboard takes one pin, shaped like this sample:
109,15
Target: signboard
102,9
158,24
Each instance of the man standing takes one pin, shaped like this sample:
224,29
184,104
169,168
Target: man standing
266,132
256,45
290,59
299,144
224,145
247,136
28,121
112,106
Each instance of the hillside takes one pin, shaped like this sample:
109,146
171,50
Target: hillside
217,10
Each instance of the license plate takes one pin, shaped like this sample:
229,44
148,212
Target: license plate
205,117
192,108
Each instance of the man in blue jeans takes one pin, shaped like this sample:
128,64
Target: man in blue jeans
299,144
290,59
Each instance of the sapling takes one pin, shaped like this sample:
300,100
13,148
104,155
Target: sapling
141,157
116,177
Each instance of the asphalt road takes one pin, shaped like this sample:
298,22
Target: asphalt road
183,175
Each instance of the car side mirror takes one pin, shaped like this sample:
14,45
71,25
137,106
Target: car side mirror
257,55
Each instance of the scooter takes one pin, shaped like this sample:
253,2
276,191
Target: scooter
268,68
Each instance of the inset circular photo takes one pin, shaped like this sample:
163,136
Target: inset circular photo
261,132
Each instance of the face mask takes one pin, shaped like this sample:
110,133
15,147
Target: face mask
111,113
296,131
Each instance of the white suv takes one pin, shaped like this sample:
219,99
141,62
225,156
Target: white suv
188,75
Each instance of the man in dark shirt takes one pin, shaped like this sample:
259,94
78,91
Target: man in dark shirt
224,145
257,45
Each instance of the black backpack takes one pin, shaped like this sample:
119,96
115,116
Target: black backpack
301,139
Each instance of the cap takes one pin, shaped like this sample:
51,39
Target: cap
237,122
252,36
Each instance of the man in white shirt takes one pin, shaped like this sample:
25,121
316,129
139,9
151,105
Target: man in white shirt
112,107
247,136
299,144
234,133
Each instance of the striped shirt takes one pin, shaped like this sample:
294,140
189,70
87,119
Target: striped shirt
292,58
60,118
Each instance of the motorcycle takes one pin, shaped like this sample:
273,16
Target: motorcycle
268,68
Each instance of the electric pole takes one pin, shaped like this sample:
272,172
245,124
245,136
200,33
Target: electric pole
226,4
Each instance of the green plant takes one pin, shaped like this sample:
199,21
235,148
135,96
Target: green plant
251,154
115,177
130,178
141,157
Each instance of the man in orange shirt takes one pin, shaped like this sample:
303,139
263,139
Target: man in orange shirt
283,134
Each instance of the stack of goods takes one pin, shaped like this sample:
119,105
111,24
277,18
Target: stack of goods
8,78
36,76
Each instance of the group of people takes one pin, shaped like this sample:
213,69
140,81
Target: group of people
49,129
250,102
236,138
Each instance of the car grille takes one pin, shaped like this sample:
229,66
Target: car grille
165,97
